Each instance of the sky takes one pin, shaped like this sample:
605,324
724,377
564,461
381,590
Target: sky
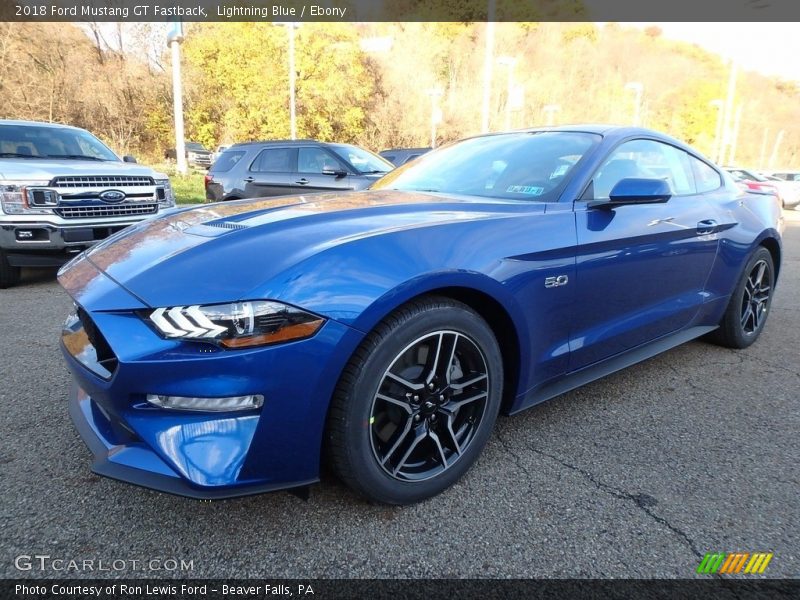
771,48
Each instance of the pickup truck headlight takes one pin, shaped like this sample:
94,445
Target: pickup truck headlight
27,198
167,198
235,325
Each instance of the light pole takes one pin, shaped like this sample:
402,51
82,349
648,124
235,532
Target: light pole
549,111
730,97
509,62
487,66
174,39
637,88
292,78
718,104
436,113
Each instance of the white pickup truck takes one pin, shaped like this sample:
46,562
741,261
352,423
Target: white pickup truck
62,190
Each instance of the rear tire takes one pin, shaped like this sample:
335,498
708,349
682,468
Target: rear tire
9,276
416,403
748,308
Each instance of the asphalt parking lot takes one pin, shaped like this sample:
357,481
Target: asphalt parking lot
637,475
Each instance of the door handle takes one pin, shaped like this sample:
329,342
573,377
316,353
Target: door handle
706,226
302,181
249,179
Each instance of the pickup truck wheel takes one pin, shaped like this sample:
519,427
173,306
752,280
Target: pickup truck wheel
9,276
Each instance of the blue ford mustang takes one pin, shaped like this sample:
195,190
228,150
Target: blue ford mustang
226,350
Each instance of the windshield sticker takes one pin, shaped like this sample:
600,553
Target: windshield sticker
530,190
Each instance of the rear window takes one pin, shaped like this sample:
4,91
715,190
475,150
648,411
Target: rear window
227,160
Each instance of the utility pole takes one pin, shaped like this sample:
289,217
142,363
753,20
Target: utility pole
637,88
487,67
735,138
174,39
509,62
728,113
762,157
292,79
774,156
436,113
718,104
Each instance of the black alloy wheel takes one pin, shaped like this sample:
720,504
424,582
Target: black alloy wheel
416,403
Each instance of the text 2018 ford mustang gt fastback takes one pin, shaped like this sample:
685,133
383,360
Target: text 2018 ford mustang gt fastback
228,349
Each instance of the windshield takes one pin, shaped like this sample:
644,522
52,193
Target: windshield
41,141
362,160
518,166
195,146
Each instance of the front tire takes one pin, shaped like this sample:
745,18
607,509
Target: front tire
416,403
750,302
9,276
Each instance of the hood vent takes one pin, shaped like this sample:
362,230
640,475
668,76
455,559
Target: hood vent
212,229
225,225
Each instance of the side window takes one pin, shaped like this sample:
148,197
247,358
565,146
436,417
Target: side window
315,161
273,160
645,159
706,179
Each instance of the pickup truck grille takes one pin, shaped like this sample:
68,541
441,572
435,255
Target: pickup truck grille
120,210
106,181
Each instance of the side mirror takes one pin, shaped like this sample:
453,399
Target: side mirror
335,172
634,190
129,159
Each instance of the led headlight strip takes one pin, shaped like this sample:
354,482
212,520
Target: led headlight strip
236,325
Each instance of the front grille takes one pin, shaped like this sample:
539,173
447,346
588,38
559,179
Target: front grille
107,181
121,210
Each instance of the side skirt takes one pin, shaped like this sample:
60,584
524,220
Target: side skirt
611,365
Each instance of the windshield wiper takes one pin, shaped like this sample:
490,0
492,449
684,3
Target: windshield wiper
373,171
17,155
75,157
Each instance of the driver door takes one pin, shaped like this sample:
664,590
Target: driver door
641,269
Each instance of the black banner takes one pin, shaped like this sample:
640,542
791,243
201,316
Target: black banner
400,10
332,589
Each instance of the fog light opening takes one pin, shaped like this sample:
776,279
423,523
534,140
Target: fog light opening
230,403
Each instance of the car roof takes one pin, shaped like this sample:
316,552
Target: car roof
35,124
275,142
406,150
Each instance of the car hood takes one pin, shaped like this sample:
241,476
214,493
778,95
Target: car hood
46,169
221,252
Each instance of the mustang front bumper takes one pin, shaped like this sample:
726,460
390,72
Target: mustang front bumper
117,359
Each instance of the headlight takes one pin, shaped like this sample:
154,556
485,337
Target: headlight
166,197
27,198
236,325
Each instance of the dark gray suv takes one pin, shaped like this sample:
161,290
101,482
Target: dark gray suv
279,168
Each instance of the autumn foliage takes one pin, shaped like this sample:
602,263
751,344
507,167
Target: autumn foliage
116,83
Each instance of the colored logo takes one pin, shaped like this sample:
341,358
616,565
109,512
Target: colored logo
112,196
734,563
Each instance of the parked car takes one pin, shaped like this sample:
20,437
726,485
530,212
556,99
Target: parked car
400,156
278,168
196,155
786,175
787,191
218,152
223,351
62,190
